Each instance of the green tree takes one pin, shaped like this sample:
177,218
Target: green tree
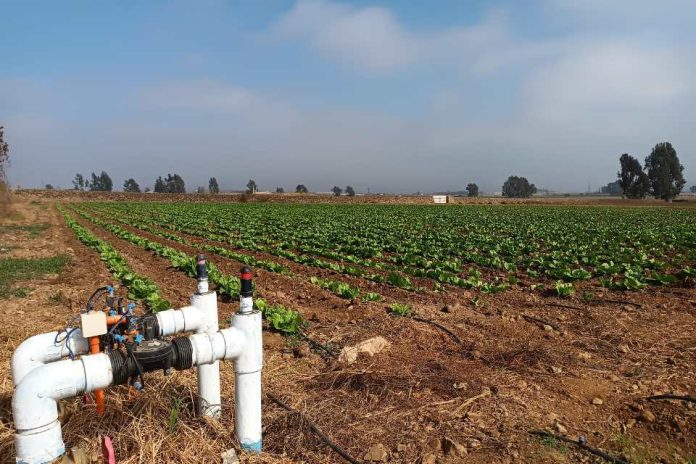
613,188
301,189
251,187
665,172
175,184
79,182
160,185
634,182
280,190
518,187
213,185
350,191
337,191
101,183
473,190
4,158
131,185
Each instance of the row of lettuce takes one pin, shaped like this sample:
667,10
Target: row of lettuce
623,248
637,261
143,289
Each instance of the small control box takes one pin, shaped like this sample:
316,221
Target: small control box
93,324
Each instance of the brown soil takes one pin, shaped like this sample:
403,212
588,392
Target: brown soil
522,374
72,195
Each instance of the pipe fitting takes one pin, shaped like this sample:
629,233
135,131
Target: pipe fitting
174,321
41,349
225,344
38,436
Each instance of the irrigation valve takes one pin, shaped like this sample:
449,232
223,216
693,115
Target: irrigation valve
201,274
123,346
246,303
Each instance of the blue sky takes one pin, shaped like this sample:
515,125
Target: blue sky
391,96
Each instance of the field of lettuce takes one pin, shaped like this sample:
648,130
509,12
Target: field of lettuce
493,321
418,248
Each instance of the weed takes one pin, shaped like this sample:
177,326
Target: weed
16,269
635,452
56,298
21,292
555,444
32,229
174,415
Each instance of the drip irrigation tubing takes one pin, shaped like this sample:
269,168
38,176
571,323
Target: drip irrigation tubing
314,428
581,444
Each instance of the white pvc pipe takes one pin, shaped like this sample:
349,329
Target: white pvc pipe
50,347
41,349
38,437
174,321
247,368
208,374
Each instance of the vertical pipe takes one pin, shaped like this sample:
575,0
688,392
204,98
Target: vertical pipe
248,369
208,374
99,395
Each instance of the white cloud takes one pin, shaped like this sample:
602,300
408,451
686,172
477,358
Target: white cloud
373,39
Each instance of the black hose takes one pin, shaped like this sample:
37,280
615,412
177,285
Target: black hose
314,428
97,293
581,444
439,326
690,399
316,344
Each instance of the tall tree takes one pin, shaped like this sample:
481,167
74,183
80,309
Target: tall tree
301,189
518,187
79,182
337,191
175,184
4,163
131,185
634,182
350,191
473,190
665,172
213,185
251,187
160,185
101,182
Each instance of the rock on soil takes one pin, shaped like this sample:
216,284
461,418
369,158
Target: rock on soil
230,457
451,447
378,453
371,347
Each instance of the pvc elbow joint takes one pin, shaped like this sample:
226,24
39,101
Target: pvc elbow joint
41,349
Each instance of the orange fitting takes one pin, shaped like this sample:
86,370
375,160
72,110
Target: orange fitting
99,395
113,320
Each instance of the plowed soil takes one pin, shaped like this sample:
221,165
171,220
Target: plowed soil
521,363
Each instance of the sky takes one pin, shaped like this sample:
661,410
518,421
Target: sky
398,96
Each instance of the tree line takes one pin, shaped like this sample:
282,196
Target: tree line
661,176
172,183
